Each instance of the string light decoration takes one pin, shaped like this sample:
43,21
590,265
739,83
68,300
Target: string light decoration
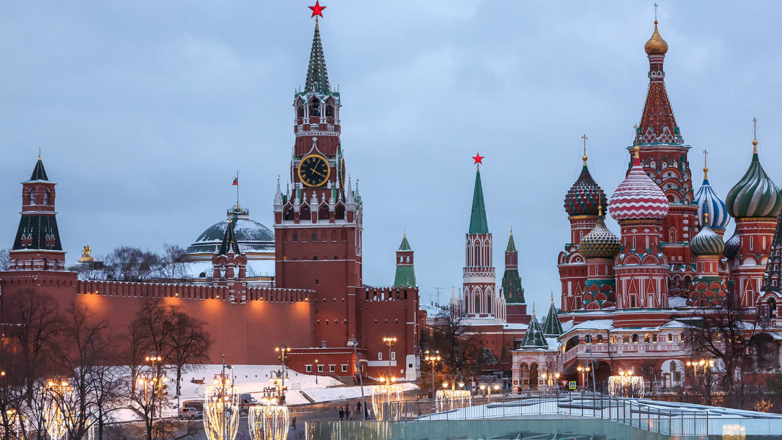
221,410
386,400
18,425
55,418
270,420
448,400
626,385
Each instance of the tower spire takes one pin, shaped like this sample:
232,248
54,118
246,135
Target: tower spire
478,223
755,135
584,137
317,75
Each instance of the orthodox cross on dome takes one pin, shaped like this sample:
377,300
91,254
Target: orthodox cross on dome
755,134
317,10
655,12
584,137
635,134
705,165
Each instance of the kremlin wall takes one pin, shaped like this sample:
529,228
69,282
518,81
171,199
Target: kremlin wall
622,304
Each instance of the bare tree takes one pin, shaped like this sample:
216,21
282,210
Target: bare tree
5,260
171,266
724,332
127,263
190,343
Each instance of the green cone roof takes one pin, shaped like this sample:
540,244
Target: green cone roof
478,223
317,76
511,244
552,326
229,243
405,246
39,173
534,337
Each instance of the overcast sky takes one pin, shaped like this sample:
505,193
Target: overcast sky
145,109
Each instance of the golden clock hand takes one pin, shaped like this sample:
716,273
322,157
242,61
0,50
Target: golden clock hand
318,173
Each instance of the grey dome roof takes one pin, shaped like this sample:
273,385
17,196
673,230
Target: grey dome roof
251,235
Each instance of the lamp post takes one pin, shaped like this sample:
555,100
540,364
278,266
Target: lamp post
284,352
390,340
316,371
360,380
699,363
432,358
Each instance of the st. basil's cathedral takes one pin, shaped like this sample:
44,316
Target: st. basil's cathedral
623,302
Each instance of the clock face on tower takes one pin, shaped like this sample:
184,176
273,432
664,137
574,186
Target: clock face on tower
314,171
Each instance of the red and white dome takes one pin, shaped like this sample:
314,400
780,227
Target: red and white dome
638,197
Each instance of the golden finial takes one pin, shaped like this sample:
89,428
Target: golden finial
600,209
755,136
584,137
637,149
705,218
533,309
511,231
656,45
635,134
705,165
39,153
552,297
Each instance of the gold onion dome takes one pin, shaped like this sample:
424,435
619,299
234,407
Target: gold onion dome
656,45
600,242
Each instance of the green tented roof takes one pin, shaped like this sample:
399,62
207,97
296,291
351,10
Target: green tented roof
317,76
405,246
478,223
552,326
511,244
511,287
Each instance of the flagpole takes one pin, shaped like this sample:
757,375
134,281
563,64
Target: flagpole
237,190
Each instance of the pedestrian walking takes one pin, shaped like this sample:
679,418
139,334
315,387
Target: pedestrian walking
341,414
293,423
347,412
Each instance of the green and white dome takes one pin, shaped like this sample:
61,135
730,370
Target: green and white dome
756,195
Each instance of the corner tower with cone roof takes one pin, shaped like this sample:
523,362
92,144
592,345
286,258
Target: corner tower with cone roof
37,244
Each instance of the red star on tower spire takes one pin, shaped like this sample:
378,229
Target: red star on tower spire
478,159
317,10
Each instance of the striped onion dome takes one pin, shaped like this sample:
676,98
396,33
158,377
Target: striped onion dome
709,201
600,242
732,247
706,242
585,195
755,195
638,197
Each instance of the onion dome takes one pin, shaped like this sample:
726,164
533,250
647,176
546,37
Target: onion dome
732,247
656,45
708,201
706,242
755,195
585,195
638,197
600,242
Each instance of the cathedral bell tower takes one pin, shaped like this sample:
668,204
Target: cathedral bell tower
318,218
37,244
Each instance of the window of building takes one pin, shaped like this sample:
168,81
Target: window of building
626,339
295,237
344,368
315,238
308,368
599,339
632,301
393,355
635,339
332,368
670,337
654,338
320,368
380,355
647,338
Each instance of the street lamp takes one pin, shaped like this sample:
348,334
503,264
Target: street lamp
433,359
389,340
316,371
284,351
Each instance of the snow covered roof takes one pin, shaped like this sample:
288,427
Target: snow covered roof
677,301
433,311
251,235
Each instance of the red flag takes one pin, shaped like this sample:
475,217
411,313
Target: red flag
236,181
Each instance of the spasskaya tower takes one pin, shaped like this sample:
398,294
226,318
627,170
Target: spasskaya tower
317,218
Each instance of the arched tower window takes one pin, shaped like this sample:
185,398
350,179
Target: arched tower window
32,196
295,237
46,197
314,107
672,235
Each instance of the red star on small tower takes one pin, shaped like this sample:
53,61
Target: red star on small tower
317,9
478,159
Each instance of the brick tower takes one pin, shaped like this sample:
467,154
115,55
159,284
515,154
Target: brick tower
405,265
512,291
479,281
37,244
318,221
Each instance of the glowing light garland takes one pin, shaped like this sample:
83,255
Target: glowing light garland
453,399
221,411
269,422
626,386
385,402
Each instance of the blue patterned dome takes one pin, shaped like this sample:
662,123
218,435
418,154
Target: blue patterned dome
755,195
707,242
732,247
708,201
